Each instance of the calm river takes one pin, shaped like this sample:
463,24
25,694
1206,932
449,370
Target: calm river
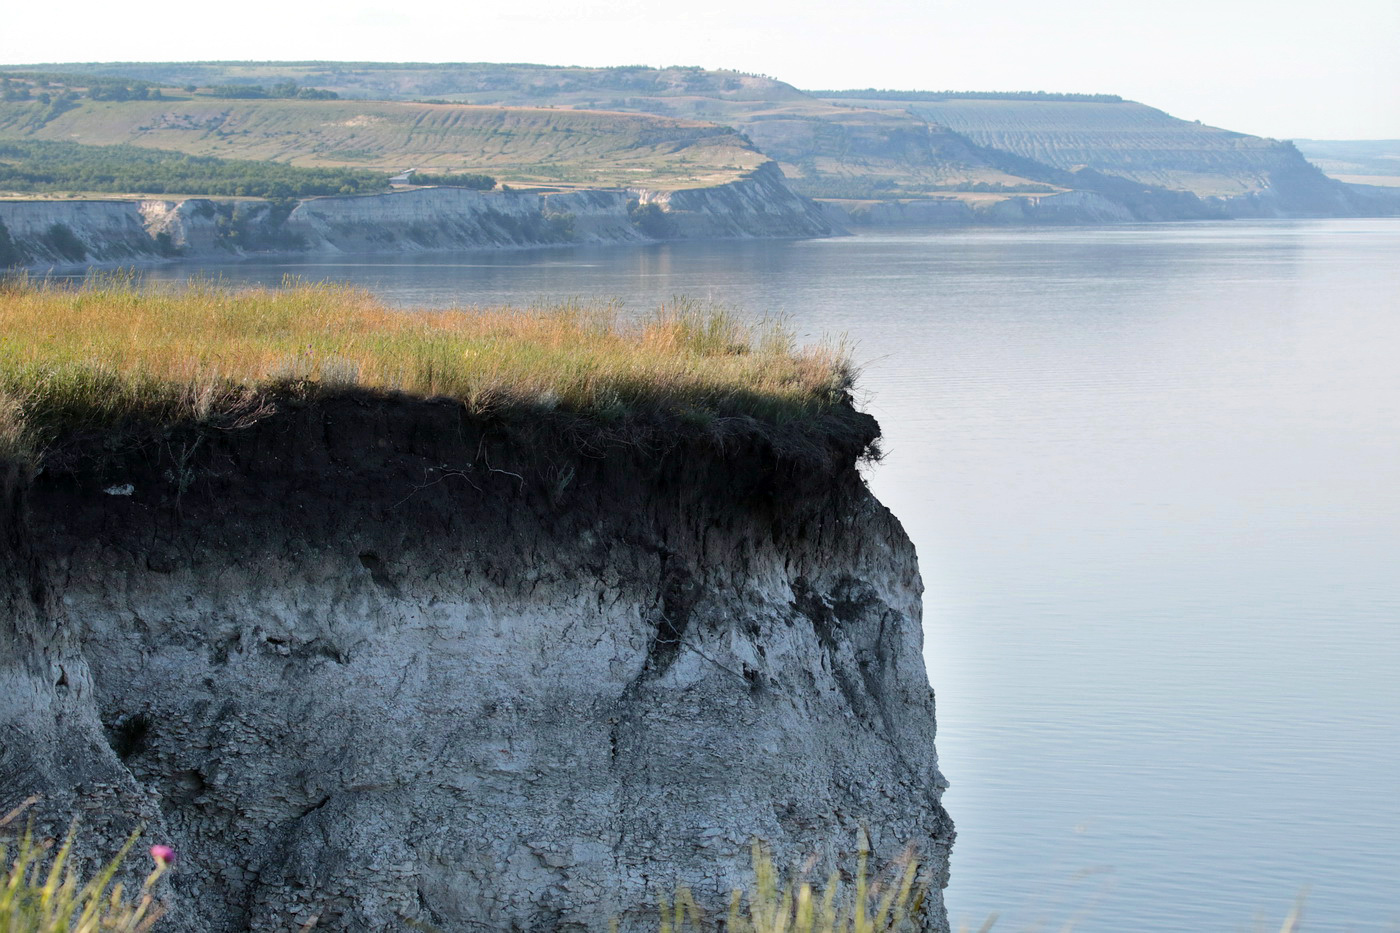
1153,473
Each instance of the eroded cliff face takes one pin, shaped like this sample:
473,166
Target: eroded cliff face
51,232
759,204
68,232
1069,207
456,218
374,660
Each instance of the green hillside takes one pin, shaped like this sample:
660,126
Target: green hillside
517,145
888,144
826,149
681,127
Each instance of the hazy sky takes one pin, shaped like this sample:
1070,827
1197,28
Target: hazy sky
1281,68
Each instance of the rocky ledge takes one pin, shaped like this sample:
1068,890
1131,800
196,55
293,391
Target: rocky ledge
375,660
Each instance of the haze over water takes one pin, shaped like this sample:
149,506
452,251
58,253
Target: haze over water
1153,473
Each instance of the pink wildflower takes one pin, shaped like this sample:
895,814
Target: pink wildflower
164,855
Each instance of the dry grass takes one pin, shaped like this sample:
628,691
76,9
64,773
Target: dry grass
891,902
41,890
110,349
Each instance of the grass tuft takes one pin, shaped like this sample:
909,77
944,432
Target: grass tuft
40,891
890,902
110,349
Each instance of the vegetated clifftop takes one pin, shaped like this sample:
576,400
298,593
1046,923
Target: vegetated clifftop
41,233
373,658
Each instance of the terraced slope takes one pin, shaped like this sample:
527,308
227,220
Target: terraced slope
1127,139
833,149
534,145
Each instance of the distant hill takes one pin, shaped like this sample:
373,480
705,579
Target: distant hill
832,149
1126,139
469,82
1360,161
690,126
519,145
826,149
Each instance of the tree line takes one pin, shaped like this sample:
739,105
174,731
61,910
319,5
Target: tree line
453,180
287,90
45,167
49,87
44,86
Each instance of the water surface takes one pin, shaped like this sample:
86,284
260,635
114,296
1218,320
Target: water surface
1153,474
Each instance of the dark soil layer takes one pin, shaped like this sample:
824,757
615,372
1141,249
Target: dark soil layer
430,464
375,659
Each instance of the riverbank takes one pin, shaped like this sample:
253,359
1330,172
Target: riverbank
40,233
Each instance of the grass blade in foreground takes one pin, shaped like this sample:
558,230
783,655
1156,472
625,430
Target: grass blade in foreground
42,893
882,905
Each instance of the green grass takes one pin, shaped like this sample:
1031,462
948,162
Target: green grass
41,890
892,900
109,350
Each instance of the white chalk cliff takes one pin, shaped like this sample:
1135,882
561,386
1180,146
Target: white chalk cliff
374,660
107,232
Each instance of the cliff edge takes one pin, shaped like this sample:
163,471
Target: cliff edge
40,233
375,659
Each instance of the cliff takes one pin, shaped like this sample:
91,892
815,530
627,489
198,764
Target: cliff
1242,175
49,231
1065,207
374,659
760,204
43,233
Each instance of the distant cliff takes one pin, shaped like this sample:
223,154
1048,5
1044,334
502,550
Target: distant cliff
872,157
376,660
1238,174
1085,206
761,204
915,150
50,232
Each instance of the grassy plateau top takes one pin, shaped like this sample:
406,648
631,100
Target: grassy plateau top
110,350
